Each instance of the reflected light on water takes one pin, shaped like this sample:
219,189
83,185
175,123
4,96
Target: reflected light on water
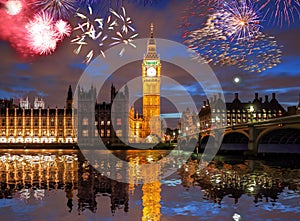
223,188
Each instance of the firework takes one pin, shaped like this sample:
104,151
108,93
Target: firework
194,15
263,54
58,9
91,28
43,33
127,33
209,46
144,2
239,20
280,12
63,28
13,7
126,21
103,6
213,44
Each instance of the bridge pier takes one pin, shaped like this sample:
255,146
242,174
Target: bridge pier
252,144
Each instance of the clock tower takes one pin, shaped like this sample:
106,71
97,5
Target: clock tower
151,68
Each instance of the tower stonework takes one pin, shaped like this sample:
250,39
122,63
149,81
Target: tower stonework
87,133
69,101
148,123
151,70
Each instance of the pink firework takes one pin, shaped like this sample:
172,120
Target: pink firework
63,28
13,7
44,33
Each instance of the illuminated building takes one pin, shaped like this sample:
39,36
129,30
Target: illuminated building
24,124
95,119
238,112
141,126
189,123
125,125
38,103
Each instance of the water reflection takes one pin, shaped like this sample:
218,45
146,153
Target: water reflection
249,177
29,175
26,176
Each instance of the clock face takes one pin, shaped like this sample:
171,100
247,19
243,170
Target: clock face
151,72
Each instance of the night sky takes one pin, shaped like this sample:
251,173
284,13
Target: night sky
49,76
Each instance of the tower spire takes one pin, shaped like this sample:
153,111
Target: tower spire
151,47
151,30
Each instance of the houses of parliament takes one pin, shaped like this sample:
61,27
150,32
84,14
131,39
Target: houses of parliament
25,124
116,122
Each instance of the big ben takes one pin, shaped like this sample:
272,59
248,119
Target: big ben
151,68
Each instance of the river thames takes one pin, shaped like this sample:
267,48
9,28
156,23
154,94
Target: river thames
63,185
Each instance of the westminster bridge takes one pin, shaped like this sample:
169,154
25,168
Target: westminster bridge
280,135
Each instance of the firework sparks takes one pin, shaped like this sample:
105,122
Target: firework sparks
13,7
63,28
258,54
92,29
194,14
240,19
212,45
103,6
280,12
126,21
98,30
58,9
264,54
43,33
145,2
127,34
42,37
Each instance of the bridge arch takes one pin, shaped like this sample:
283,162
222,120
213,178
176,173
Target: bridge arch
204,139
235,141
235,137
275,128
279,140
237,131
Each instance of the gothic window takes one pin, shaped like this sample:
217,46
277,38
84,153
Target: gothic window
85,133
85,121
119,133
52,121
